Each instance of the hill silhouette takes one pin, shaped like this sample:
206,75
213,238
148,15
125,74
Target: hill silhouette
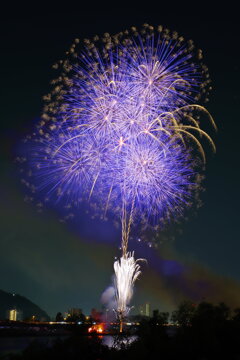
26,307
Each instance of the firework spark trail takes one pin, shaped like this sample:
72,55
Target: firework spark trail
120,129
127,271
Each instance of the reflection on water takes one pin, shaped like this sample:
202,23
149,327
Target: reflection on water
18,344
118,341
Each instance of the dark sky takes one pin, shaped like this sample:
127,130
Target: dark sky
59,266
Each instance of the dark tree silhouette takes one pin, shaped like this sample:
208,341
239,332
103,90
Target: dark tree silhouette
184,314
59,317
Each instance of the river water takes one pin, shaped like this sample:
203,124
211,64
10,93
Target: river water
10,345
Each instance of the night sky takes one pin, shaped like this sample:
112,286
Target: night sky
59,266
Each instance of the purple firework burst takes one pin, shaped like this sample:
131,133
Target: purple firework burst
120,126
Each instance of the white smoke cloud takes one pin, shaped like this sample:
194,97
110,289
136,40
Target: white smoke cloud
108,299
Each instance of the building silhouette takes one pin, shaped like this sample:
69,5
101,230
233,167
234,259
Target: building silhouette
145,309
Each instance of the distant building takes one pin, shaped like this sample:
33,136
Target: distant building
66,315
144,309
13,315
147,309
75,312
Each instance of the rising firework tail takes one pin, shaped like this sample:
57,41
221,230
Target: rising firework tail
122,129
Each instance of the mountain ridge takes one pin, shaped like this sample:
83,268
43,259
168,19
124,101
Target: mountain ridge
23,305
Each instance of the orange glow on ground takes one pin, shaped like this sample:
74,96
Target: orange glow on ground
98,328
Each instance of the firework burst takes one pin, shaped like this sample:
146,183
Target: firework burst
121,128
